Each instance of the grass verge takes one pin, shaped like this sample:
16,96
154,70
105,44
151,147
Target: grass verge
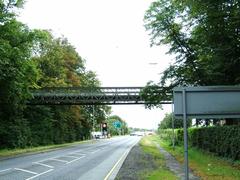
162,172
5,153
204,165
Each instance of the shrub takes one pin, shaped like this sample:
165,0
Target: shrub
223,141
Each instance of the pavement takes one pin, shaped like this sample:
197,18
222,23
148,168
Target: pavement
100,160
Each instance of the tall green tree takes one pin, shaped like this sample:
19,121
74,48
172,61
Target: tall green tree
167,121
204,36
18,74
32,59
123,129
60,65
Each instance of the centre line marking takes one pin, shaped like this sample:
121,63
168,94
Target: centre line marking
40,174
58,160
46,165
24,170
5,170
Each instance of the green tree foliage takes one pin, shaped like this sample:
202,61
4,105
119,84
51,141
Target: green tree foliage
31,59
116,131
16,46
154,95
204,36
166,123
60,65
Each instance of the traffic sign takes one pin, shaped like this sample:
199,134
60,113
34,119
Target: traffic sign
117,124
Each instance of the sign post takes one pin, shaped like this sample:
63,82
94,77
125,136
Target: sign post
185,134
203,103
173,133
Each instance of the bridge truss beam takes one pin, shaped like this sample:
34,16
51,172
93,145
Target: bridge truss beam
89,96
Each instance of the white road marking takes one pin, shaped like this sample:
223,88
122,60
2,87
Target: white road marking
71,156
24,170
46,165
121,158
78,153
40,174
75,160
60,160
95,151
5,170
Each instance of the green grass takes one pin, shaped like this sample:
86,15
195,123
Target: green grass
18,151
162,172
205,165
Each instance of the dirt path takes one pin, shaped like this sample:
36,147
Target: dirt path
174,165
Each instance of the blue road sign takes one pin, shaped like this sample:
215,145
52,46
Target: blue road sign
117,124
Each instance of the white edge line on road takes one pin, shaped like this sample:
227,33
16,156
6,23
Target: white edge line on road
111,171
75,160
46,165
58,160
121,158
5,170
24,170
40,174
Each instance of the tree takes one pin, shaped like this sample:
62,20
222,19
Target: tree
32,59
166,123
204,36
61,66
112,129
16,46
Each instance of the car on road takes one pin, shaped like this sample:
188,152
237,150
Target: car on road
97,135
137,133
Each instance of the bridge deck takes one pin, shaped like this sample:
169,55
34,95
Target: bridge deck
89,96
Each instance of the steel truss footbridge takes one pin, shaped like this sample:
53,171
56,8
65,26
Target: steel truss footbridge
90,96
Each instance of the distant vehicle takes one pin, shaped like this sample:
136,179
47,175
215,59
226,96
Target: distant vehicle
132,134
137,133
97,135
149,133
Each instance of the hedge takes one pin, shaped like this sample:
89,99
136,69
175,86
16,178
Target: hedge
223,141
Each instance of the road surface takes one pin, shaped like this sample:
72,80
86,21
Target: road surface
89,161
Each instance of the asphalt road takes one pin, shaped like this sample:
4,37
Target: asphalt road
98,160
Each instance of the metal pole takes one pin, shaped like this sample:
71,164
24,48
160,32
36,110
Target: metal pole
173,135
185,134
93,118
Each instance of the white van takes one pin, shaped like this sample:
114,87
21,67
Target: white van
97,135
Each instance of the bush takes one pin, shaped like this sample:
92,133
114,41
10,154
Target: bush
223,141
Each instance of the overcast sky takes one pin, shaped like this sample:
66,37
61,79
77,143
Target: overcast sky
110,35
